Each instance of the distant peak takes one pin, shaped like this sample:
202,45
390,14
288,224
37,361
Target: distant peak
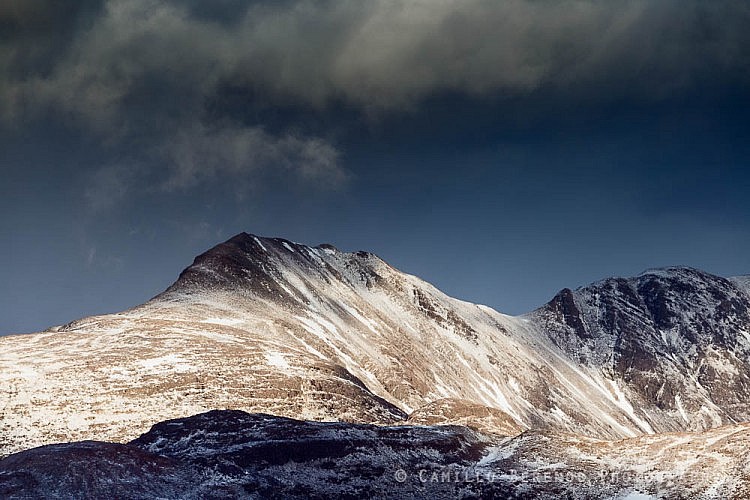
328,246
670,271
256,263
243,236
677,274
248,240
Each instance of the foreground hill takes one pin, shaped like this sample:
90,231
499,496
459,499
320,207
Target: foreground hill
232,454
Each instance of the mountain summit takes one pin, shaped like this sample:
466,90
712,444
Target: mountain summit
268,325
247,262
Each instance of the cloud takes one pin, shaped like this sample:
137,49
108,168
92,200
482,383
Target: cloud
142,72
200,153
376,53
139,73
110,184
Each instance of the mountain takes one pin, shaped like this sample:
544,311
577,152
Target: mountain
675,337
268,325
232,454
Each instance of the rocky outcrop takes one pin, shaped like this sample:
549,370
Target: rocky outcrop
678,338
232,454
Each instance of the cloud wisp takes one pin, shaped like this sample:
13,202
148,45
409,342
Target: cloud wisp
195,153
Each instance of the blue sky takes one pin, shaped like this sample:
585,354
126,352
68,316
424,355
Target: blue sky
500,150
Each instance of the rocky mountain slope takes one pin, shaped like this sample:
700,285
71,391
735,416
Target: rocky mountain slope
677,338
268,325
232,454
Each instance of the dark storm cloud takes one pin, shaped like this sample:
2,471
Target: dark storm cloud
137,74
140,72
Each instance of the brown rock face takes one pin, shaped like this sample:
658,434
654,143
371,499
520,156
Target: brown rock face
675,336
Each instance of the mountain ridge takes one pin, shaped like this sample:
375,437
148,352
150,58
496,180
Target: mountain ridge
266,324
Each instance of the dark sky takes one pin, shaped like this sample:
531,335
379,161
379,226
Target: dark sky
500,150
